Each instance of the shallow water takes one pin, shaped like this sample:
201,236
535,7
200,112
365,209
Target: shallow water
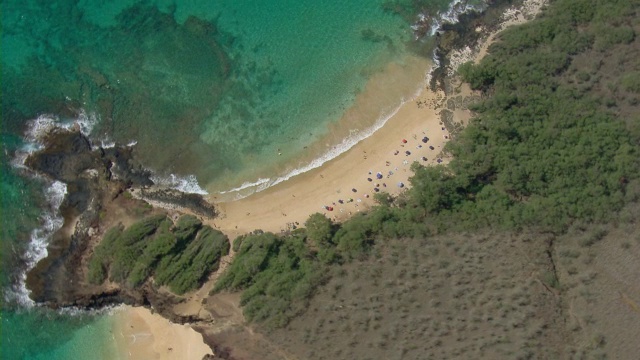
210,91
45,334
209,88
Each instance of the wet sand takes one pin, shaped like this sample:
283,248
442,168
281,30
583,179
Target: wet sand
291,202
141,334
277,208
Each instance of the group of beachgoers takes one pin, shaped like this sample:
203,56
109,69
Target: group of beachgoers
379,179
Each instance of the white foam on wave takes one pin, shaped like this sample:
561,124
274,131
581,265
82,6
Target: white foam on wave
107,144
39,127
106,310
86,122
51,221
347,143
452,14
186,184
258,183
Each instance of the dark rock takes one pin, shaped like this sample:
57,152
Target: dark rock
92,177
193,202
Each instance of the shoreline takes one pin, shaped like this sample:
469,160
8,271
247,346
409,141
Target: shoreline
381,98
141,334
288,204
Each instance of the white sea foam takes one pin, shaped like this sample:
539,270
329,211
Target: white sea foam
186,184
347,143
456,8
76,311
258,183
86,122
107,144
38,128
51,221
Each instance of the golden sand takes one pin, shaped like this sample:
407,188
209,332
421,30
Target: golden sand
141,334
291,202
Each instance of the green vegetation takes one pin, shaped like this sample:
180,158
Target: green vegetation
277,274
180,256
631,82
556,140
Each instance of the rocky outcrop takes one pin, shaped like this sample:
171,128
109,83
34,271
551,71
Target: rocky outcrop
95,179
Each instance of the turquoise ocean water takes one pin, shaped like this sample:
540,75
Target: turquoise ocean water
210,92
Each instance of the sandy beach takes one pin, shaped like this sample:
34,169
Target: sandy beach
414,133
143,335
381,161
384,157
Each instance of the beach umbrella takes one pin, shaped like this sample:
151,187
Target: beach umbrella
379,175
400,184
408,152
431,147
425,139
404,141
376,189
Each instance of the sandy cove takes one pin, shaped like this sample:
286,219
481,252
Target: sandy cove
140,334
291,202
276,209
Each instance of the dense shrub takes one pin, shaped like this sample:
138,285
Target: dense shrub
103,255
180,256
631,82
277,274
543,151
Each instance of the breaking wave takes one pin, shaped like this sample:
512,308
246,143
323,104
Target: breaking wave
50,222
347,143
186,184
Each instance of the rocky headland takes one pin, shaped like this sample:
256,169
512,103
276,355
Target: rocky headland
108,186
98,180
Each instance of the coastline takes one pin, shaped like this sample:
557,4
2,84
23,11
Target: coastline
141,334
292,201
381,98
289,203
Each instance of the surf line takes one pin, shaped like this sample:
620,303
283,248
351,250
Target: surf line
347,143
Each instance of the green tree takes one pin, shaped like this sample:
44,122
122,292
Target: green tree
320,230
